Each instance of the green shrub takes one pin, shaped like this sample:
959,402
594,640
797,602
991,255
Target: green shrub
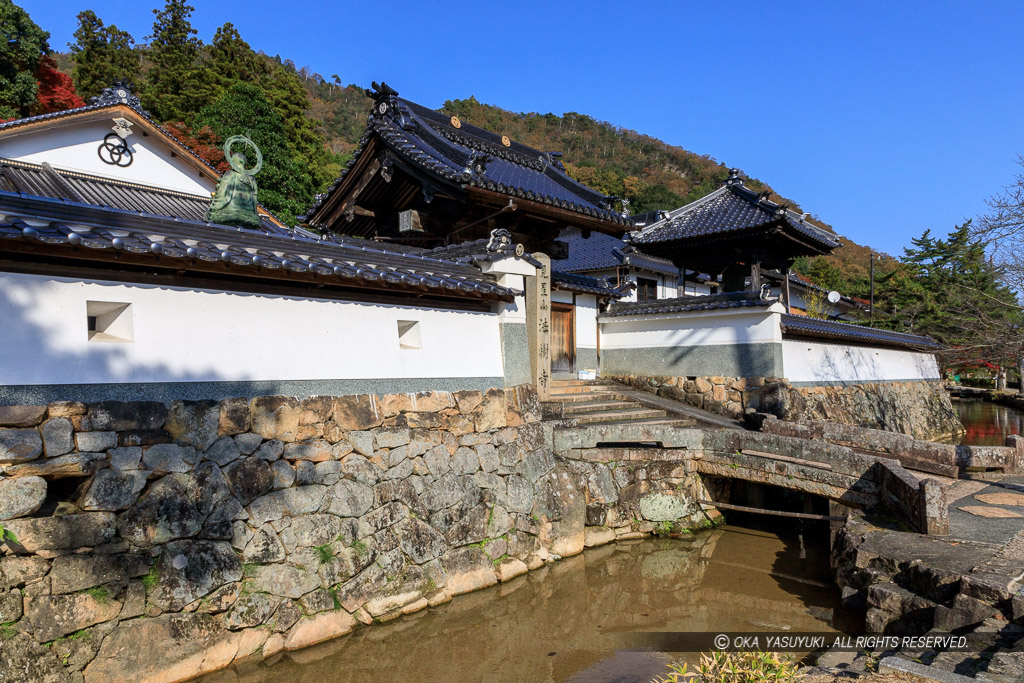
735,667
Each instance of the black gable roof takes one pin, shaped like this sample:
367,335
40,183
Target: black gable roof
727,212
600,251
458,155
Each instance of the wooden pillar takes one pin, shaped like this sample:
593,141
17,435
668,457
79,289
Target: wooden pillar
755,276
785,290
538,325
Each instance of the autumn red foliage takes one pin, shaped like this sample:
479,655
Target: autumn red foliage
203,142
56,89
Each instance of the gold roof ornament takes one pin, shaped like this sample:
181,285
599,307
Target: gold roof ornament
456,123
505,141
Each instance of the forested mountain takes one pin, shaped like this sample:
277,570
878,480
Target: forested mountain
309,125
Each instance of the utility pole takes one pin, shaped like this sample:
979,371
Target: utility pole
872,286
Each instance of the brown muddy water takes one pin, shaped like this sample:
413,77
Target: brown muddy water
987,424
575,621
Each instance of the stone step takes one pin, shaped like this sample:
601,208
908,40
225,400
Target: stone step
583,388
587,397
616,416
582,407
668,420
580,382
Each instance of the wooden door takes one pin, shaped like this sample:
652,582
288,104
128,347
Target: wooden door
563,338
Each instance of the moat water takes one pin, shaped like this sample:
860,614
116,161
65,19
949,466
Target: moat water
581,619
987,424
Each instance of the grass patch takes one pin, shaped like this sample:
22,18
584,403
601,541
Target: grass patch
7,631
98,593
359,547
324,552
150,580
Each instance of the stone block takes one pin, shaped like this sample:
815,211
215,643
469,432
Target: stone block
275,417
19,445
169,457
175,506
318,628
69,532
66,409
223,451
95,442
248,442
392,438
465,461
58,436
21,416
20,497
362,442
419,540
126,457
299,500
194,423
467,401
252,610
189,570
491,413
113,490
595,536
53,616
73,573
269,450
143,437
234,417
284,580
61,467
357,413
468,569
249,478
313,451
510,569
119,416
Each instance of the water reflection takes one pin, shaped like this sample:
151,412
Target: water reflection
987,424
573,621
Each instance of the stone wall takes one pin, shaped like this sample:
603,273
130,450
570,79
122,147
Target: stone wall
225,530
921,409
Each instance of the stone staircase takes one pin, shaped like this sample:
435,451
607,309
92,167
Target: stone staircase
585,402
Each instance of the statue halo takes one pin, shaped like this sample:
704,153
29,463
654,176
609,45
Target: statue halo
239,168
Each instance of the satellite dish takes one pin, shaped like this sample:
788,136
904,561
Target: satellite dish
834,297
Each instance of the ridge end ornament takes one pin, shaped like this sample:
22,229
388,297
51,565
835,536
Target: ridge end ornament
234,202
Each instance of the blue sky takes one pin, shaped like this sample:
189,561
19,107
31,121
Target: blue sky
882,118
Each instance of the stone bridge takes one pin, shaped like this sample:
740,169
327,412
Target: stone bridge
835,472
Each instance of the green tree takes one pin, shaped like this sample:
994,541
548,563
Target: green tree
102,55
286,187
228,59
948,289
22,45
172,79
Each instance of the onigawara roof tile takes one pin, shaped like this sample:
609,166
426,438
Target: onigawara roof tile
600,251
685,304
803,326
459,154
728,212
58,226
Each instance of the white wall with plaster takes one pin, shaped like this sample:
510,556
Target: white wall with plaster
807,362
695,328
183,334
74,146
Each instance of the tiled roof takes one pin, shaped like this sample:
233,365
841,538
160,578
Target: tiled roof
573,282
497,247
683,304
600,251
42,180
118,94
730,210
466,156
55,225
801,326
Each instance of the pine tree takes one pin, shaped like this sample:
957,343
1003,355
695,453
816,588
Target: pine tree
169,91
22,45
102,55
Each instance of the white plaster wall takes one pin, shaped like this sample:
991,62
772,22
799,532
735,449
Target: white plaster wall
203,335
586,321
815,362
699,328
74,147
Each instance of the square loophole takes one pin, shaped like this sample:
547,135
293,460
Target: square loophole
409,334
109,321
